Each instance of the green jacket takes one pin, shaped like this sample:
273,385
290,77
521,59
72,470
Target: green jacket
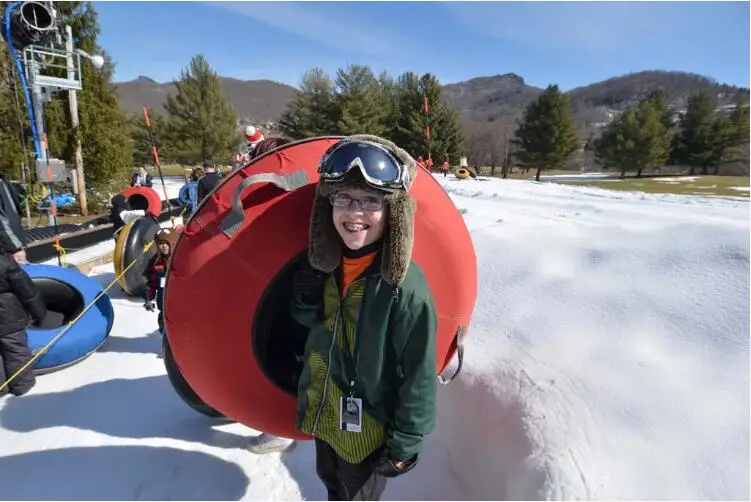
396,370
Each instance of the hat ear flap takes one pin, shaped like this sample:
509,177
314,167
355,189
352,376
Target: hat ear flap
325,251
399,238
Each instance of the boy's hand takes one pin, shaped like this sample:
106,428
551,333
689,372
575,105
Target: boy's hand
149,306
390,468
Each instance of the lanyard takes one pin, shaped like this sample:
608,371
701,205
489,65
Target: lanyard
354,360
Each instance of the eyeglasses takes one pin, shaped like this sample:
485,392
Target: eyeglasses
380,167
367,203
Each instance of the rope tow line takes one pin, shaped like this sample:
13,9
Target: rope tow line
71,323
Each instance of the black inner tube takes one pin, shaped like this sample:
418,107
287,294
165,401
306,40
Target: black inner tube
276,336
138,201
181,386
141,233
64,302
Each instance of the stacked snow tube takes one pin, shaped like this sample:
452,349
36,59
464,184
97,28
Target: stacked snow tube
182,388
241,363
66,293
130,244
145,198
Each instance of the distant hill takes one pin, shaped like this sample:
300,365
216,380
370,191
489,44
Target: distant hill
256,101
501,100
495,102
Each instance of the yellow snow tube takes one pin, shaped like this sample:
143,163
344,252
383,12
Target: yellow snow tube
461,173
131,241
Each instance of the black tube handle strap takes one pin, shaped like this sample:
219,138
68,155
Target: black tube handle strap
460,332
288,183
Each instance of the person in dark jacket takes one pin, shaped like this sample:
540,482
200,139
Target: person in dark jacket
119,204
19,300
207,182
367,392
11,229
141,178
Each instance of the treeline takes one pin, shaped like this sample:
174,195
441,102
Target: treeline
355,101
646,136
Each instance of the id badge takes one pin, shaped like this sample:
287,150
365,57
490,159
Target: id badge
162,282
350,414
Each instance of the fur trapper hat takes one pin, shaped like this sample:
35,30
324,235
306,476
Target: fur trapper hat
325,250
166,235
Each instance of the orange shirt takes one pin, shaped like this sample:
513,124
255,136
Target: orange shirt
353,267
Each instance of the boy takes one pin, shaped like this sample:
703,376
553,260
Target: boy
367,392
19,299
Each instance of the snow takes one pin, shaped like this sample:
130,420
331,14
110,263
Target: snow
607,359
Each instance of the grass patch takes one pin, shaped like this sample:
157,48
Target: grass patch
717,186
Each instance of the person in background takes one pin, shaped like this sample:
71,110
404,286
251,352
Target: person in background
207,182
12,239
368,389
268,443
156,273
19,300
141,178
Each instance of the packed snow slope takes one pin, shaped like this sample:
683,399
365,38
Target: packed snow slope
607,359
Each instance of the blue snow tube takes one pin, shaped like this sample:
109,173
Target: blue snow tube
66,293
187,195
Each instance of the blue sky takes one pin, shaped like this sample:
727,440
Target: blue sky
568,43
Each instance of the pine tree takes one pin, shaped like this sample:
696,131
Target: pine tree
202,124
310,113
139,134
358,102
546,137
106,151
698,139
103,129
410,121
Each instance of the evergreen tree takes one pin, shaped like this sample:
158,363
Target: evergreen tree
546,137
310,113
14,133
202,124
139,134
698,141
359,103
103,130
446,141
639,139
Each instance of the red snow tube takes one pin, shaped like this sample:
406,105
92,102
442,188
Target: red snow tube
229,281
144,198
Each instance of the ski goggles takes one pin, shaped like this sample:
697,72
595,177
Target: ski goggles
380,167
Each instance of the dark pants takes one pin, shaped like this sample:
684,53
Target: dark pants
160,321
345,481
14,353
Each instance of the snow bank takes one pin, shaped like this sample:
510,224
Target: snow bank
609,341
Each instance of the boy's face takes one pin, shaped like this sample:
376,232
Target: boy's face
356,227
164,247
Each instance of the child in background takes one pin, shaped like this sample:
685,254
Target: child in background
156,273
19,300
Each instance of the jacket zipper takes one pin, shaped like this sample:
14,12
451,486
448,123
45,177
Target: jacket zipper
328,373
342,301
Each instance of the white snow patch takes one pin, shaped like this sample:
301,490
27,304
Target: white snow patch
607,358
741,189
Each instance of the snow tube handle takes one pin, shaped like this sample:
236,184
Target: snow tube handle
460,332
288,183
